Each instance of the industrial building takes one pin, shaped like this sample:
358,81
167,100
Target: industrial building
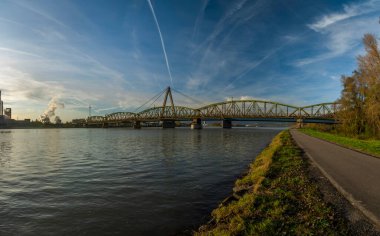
8,113
1,105
6,120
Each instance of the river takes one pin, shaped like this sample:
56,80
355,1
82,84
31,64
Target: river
119,181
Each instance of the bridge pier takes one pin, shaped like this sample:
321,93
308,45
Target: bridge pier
168,124
196,124
227,124
137,124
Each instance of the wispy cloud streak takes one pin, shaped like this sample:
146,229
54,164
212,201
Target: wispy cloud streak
41,13
343,31
162,41
198,21
18,52
328,20
349,11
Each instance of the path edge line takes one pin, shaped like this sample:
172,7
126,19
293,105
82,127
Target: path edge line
355,203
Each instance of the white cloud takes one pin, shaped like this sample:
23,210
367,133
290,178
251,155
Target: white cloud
242,98
342,32
21,86
333,18
193,83
349,11
335,77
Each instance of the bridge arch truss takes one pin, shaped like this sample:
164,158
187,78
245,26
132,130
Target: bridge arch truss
121,116
168,113
240,109
246,109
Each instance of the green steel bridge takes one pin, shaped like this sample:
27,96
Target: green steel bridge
227,111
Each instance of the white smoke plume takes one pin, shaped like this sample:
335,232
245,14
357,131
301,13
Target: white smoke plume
53,105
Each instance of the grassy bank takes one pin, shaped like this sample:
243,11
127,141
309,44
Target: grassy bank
275,197
367,146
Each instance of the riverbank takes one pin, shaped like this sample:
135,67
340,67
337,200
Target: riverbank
277,196
371,147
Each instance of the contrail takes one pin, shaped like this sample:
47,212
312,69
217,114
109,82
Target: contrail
254,65
162,41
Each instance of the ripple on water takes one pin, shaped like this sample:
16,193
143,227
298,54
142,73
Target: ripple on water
118,181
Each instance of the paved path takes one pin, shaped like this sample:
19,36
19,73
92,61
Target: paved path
355,175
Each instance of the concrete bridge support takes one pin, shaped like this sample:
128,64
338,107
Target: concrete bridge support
196,124
137,124
168,124
227,124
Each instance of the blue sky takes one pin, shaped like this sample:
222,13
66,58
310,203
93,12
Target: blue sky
109,53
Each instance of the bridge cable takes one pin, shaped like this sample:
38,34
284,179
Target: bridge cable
150,105
193,99
154,97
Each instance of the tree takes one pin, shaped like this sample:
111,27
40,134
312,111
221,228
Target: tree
360,97
369,67
58,120
351,100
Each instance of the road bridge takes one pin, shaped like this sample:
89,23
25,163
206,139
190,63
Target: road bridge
227,111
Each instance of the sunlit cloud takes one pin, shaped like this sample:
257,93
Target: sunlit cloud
244,98
349,11
331,19
342,32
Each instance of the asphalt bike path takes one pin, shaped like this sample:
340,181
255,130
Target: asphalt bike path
354,174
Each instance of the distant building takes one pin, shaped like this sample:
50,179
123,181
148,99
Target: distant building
8,112
1,105
2,120
79,122
6,120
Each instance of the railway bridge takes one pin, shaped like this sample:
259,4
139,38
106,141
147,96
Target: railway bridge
227,111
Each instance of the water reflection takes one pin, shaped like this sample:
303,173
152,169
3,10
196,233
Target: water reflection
196,138
166,141
5,148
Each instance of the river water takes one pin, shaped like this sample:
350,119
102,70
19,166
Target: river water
119,181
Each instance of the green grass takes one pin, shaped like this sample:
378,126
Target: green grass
367,146
275,197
